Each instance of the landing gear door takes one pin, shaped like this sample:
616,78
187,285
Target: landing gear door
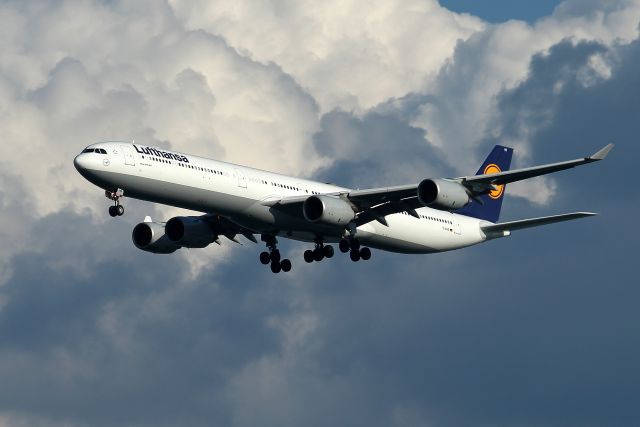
242,180
128,156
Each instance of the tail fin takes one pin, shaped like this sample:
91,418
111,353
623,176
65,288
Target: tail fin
498,160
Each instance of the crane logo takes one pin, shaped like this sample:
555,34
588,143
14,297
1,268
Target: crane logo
499,189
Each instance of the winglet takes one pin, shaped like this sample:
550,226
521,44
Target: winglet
602,153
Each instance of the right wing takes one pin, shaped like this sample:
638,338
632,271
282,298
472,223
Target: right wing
223,227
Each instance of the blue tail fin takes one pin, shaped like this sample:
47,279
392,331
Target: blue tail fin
497,161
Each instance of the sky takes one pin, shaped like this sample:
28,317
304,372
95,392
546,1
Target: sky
497,11
539,329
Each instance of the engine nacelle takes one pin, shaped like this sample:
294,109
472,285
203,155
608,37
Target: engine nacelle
328,209
442,194
190,232
150,237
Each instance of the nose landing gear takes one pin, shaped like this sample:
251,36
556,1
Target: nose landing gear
273,256
117,209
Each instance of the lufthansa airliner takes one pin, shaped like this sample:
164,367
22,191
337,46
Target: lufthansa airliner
433,215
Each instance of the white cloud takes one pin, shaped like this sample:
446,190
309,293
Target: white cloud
348,54
249,82
464,109
113,80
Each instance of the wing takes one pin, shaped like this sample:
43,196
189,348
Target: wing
481,183
375,203
476,184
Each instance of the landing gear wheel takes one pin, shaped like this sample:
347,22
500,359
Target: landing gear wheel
117,209
308,255
355,244
355,256
318,254
328,251
285,264
344,246
365,254
272,255
276,267
265,258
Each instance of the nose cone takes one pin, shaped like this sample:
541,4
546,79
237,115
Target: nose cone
80,162
85,164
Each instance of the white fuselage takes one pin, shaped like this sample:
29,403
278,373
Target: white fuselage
241,194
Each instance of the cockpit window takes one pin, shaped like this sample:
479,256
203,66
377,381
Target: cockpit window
95,150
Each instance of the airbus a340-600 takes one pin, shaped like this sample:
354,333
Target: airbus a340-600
434,215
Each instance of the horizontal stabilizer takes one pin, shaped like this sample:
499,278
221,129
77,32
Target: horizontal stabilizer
505,227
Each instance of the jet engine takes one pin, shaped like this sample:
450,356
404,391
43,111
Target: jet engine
328,209
151,237
439,193
190,232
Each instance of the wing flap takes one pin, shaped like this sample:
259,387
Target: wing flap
224,227
383,194
272,201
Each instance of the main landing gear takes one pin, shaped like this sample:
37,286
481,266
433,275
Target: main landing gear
356,253
117,209
319,253
273,256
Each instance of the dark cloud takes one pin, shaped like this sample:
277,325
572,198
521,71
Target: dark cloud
567,115
381,148
536,329
121,338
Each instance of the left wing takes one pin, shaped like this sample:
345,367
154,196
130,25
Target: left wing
475,184
480,183
376,203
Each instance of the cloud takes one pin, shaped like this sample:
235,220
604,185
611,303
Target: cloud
537,329
126,89
347,56
108,327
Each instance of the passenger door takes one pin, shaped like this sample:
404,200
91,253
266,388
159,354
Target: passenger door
242,180
129,159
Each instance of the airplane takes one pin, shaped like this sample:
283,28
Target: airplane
434,215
